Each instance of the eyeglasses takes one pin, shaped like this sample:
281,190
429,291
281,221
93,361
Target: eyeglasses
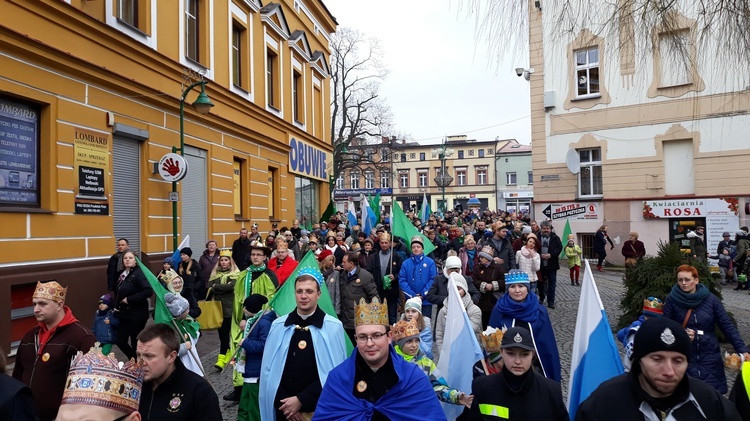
375,337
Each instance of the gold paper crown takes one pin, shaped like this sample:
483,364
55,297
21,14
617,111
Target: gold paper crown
373,313
50,291
225,253
99,380
403,329
653,306
491,339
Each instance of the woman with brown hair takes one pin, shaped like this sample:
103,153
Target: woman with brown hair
132,292
633,249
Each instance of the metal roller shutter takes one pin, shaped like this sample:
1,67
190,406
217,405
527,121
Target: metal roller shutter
126,191
194,198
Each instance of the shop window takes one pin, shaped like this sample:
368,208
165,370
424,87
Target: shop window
19,162
510,178
306,201
590,176
274,185
482,176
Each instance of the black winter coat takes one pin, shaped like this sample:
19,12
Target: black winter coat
705,361
439,291
183,396
554,249
505,251
538,398
137,290
373,266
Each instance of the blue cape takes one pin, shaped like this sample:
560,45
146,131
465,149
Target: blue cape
541,331
328,344
412,399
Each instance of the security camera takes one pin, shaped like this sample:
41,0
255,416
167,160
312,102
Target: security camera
519,71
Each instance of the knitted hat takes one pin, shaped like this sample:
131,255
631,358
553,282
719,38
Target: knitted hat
403,331
176,304
518,337
660,334
517,276
323,254
415,303
369,240
254,303
417,239
460,281
169,261
106,299
653,307
526,230
451,262
487,252
188,251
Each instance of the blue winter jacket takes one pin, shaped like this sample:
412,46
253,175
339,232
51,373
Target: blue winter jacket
706,362
254,344
416,276
105,332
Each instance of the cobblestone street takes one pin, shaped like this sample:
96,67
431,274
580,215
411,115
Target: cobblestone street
563,319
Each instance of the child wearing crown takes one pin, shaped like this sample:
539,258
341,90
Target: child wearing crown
652,307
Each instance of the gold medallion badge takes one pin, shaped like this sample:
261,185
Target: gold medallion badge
45,357
302,344
358,280
361,386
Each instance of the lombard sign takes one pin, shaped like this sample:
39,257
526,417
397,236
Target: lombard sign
308,161
687,208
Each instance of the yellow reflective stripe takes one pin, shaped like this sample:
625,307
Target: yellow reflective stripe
494,410
746,377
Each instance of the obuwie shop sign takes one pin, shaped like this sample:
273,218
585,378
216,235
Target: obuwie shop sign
307,160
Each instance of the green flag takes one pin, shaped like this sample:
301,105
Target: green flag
161,313
284,302
403,228
375,206
566,233
328,212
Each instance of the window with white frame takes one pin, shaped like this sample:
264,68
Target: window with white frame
238,36
422,178
531,177
385,180
460,176
272,79
297,97
587,72
127,12
482,176
340,182
510,178
590,176
369,180
354,180
192,36
403,179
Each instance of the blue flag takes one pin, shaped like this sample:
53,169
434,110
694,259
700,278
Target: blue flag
460,349
595,358
176,255
352,215
425,211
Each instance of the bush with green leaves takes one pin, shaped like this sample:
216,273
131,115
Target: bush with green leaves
654,276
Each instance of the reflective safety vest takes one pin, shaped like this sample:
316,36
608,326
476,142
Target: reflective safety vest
746,377
494,410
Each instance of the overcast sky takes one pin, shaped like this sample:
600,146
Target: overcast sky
441,81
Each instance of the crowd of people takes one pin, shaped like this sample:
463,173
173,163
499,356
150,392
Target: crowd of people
391,301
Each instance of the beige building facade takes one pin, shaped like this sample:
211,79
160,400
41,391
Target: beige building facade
652,140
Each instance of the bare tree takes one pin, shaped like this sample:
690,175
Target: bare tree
357,109
721,26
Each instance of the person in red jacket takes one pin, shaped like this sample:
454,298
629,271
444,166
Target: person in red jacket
45,352
281,264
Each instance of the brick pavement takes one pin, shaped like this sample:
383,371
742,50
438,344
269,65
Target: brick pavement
563,319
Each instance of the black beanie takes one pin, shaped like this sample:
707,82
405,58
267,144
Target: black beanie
254,303
188,251
660,334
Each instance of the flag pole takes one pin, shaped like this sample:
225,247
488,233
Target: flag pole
191,351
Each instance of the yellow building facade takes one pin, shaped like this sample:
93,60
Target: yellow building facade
90,98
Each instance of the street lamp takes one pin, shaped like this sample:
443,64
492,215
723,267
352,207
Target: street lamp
203,105
443,179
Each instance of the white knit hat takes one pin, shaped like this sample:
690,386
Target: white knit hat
460,281
415,303
452,262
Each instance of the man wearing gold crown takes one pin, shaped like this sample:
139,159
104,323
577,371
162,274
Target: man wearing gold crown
376,383
100,388
301,349
45,351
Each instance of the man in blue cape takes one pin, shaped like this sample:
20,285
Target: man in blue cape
301,349
375,383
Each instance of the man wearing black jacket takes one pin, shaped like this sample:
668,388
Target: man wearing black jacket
241,250
386,262
114,265
550,254
171,391
517,392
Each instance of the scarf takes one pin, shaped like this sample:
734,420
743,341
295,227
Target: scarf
689,300
526,311
183,268
260,268
465,300
120,267
527,252
470,262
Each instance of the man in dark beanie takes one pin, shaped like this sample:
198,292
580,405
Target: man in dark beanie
657,387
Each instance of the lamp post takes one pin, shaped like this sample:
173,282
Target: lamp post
203,105
443,179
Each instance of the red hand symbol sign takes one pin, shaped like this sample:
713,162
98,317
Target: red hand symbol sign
171,167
